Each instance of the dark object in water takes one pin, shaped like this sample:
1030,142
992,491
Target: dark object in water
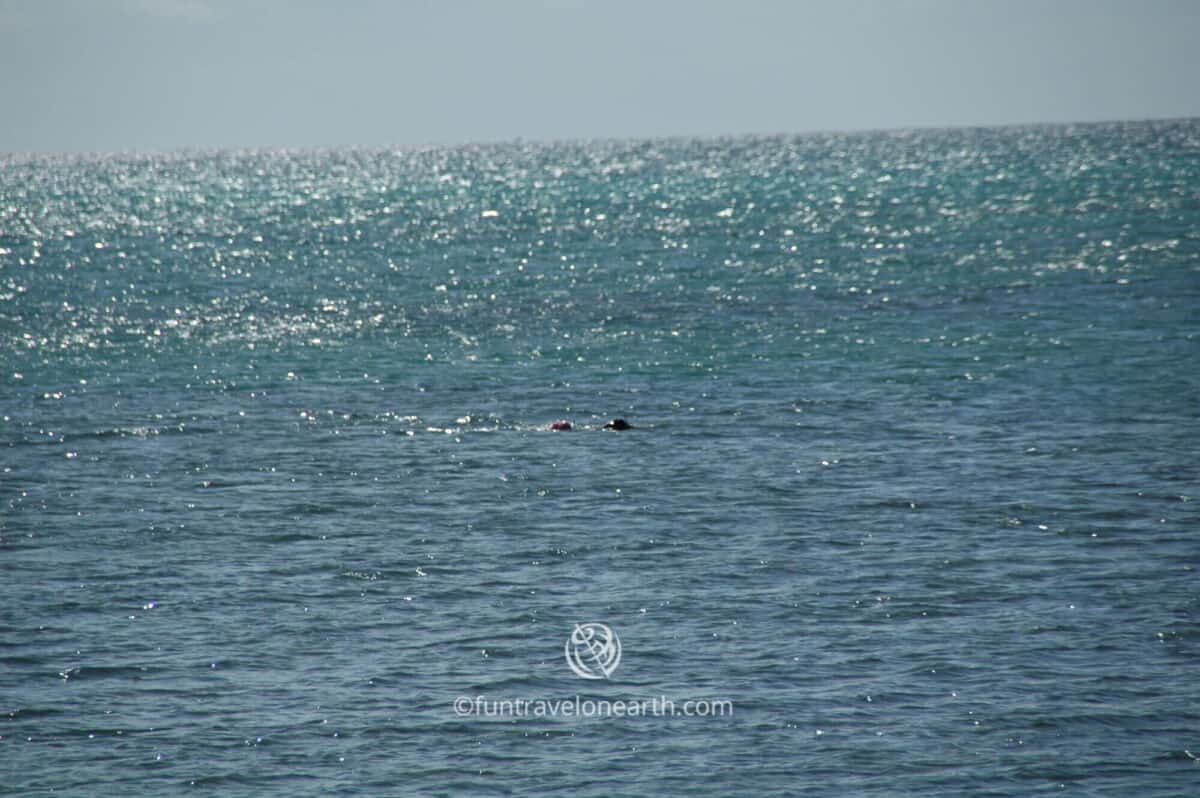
618,423
561,426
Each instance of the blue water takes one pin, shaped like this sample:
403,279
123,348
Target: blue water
913,485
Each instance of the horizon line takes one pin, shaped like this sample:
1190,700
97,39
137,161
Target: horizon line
184,150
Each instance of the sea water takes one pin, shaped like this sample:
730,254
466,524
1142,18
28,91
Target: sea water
910,505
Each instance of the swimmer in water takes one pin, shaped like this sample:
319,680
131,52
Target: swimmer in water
561,425
618,424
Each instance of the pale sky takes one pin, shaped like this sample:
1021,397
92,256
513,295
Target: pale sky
149,75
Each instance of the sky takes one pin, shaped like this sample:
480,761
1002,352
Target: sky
154,75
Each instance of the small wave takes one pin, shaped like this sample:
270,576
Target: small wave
90,672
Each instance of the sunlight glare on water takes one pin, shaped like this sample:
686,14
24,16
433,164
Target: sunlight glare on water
911,482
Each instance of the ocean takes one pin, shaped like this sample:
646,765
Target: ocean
909,505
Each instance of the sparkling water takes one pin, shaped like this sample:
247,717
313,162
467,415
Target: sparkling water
911,489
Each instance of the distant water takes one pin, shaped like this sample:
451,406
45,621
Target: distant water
914,484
